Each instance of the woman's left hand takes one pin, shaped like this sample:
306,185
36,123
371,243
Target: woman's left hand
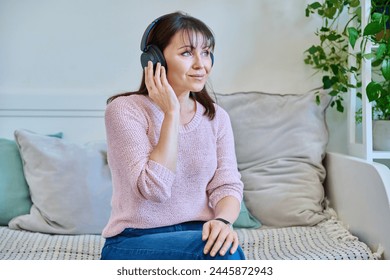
220,237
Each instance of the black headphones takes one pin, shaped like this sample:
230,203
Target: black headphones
152,52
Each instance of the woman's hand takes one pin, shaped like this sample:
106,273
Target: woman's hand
220,237
160,91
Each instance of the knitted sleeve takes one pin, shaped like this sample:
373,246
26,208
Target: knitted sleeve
227,179
128,150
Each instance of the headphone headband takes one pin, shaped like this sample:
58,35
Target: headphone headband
145,37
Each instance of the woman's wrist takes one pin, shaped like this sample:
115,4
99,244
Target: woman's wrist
223,220
227,208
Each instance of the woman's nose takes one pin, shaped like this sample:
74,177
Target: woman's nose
198,61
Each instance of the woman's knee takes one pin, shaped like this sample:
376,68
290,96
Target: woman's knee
174,245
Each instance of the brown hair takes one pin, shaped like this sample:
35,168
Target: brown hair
161,35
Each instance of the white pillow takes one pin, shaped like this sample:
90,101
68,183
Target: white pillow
280,144
70,185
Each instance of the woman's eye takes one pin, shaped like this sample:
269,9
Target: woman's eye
186,53
206,53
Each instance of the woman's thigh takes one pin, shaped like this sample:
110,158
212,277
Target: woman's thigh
177,245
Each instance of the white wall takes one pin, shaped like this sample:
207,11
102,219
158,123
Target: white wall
92,46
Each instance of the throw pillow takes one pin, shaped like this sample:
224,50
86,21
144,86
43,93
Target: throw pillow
280,144
70,185
15,195
246,219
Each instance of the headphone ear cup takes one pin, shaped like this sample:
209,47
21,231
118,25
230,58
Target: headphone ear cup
153,54
212,58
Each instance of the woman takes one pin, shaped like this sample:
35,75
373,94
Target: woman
176,187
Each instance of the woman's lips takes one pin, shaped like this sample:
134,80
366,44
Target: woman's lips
197,77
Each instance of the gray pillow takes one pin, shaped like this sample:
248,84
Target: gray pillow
70,185
280,142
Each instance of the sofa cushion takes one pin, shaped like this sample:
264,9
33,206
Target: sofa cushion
246,219
70,185
15,196
14,192
280,142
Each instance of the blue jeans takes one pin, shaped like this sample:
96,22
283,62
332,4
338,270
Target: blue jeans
177,242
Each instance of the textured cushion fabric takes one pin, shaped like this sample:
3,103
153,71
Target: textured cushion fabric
280,144
329,240
14,194
70,185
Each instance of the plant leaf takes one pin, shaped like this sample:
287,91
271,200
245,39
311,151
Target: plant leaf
354,3
381,51
333,37
335,68
377,17
369,56
307,12
376,62
386,68
339,106
373,90
318,100
312,50
372,28
315,5
327,83
353,35
330,12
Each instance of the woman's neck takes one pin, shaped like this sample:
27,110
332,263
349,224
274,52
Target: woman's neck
187,108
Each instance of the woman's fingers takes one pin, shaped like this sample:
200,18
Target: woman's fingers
229,242
224,240
155,80
157,77
220,238
235,244
164,79
212,246
149,80
206,232
159,89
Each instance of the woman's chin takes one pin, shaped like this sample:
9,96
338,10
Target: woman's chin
197,88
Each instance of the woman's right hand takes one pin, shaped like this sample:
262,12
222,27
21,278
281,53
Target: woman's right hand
160,91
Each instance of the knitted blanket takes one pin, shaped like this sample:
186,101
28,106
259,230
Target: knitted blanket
327,240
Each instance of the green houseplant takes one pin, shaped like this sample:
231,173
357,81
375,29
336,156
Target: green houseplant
341,38
330,56
378,90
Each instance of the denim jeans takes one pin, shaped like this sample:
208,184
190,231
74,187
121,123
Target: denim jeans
177,242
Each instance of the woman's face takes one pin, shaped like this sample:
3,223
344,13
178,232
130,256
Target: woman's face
188,65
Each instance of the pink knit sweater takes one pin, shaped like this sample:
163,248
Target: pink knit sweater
148,195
